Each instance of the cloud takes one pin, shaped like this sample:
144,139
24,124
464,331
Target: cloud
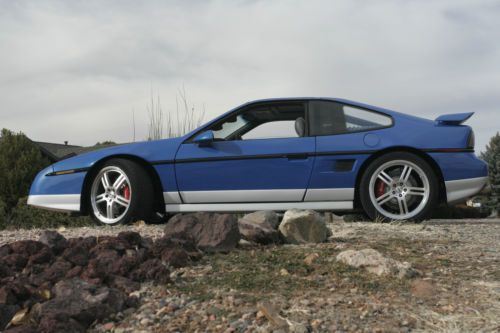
76,70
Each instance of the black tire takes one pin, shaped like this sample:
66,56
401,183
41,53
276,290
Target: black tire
364,188
141,192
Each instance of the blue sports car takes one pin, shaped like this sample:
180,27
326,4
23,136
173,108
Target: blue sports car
276,154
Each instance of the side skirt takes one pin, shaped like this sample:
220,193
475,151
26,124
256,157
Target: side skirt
248,207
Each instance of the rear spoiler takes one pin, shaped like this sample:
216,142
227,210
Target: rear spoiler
453,119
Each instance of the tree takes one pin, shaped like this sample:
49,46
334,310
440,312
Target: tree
20,161
492,157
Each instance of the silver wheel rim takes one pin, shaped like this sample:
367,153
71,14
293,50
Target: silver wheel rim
109,195
399,190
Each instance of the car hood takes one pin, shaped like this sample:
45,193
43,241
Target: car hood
150,151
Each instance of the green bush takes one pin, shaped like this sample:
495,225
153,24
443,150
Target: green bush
25,216
3,214
20,161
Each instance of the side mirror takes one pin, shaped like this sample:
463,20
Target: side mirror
204,139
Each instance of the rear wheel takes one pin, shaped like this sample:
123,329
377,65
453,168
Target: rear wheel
121,192
399,186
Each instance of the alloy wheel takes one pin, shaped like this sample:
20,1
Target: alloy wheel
110,195
399,190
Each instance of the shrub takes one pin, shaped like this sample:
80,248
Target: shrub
20,161
492,157
25,216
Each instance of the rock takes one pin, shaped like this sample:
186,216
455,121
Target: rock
44,256
77,254
310,259
131,238
303,226
152,269
422,289
60,324
103,264
258,233
272,314
21,329
173,252
5,250
26,247
263,217
15,261
374,262
6,314
53,273
124,284
54,240
78,300
210,232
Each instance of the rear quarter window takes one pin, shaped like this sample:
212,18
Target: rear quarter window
330,118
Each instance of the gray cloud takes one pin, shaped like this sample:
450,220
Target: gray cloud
76,70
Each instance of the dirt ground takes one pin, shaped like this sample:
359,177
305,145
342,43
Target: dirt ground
457,290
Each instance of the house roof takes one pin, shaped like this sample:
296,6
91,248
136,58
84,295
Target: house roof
56,151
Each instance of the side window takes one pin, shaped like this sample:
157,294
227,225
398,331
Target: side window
263,122
273,129
328,118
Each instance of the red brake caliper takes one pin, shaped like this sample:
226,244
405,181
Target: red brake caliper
379,188
126,192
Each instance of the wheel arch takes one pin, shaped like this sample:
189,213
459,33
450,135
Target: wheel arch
426,157
159,204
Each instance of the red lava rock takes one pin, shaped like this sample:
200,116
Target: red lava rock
6,314
54,240
5,250
210,232
54,272
69,284
7,296
60,323
22,329
123,284
152,269
74,272
45,255
131,238
85,242
15,261
103,264
26,247
77,255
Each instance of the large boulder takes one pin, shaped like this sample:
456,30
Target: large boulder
263,217
303,226
210,232
260,227
374,262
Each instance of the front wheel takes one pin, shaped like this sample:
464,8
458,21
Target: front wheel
399,186
121,192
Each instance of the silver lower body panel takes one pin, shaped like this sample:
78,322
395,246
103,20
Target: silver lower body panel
460,190
253,206
58,202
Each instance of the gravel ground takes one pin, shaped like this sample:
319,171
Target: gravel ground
257,289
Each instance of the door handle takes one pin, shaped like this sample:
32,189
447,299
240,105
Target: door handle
297,156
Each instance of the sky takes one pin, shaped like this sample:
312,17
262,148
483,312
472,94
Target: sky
79,71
